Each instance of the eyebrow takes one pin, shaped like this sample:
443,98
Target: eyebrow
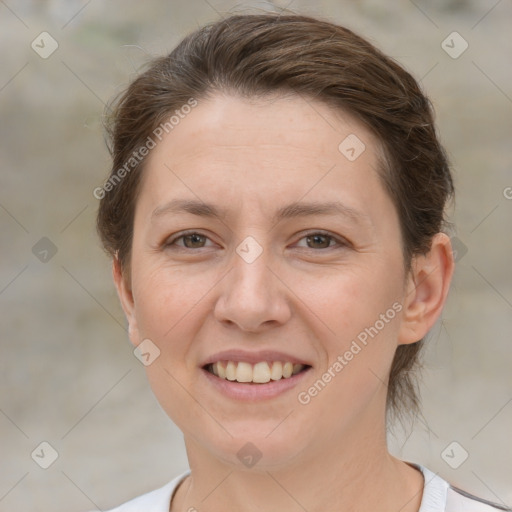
292,210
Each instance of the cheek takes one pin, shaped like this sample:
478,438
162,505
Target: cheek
170,308
165,298
360,310
348,300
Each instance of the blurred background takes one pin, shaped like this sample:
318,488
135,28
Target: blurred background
69,378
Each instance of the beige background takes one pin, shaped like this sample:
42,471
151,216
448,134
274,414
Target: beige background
68,373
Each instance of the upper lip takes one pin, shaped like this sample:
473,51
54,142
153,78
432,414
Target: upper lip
237,355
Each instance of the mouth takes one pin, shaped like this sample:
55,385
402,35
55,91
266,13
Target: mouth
258,373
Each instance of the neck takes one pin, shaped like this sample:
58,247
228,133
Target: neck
357,474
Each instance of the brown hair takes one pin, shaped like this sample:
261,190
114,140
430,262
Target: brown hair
258,55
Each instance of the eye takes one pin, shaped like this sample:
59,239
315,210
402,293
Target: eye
314,240
190,240
320,240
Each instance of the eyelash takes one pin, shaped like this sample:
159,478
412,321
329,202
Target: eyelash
171,243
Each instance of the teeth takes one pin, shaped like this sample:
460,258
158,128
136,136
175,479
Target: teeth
277,371
259,373
287,370
297,368
231,371
221,370
244,372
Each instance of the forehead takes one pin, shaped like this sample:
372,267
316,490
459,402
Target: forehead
307,127
266,150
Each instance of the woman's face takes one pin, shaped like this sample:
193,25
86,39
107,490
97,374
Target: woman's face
291,254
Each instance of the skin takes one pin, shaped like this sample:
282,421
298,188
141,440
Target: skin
253,157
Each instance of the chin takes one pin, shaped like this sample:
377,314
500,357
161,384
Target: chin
254,446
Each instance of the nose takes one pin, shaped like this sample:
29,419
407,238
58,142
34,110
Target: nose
253,297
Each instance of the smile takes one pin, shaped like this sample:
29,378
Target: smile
258,373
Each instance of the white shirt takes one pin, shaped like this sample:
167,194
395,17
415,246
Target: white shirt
438,496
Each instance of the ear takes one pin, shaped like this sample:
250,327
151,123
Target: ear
125,295
426,290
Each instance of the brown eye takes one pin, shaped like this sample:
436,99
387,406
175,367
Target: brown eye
319,241
188,241
193,241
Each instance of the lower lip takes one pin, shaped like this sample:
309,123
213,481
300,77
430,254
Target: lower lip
253,392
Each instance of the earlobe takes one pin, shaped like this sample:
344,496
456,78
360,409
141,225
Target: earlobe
427,289
125,295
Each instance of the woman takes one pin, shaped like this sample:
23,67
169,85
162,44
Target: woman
275,215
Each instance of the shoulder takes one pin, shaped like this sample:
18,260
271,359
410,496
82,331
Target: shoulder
440,496
458,500
158,500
